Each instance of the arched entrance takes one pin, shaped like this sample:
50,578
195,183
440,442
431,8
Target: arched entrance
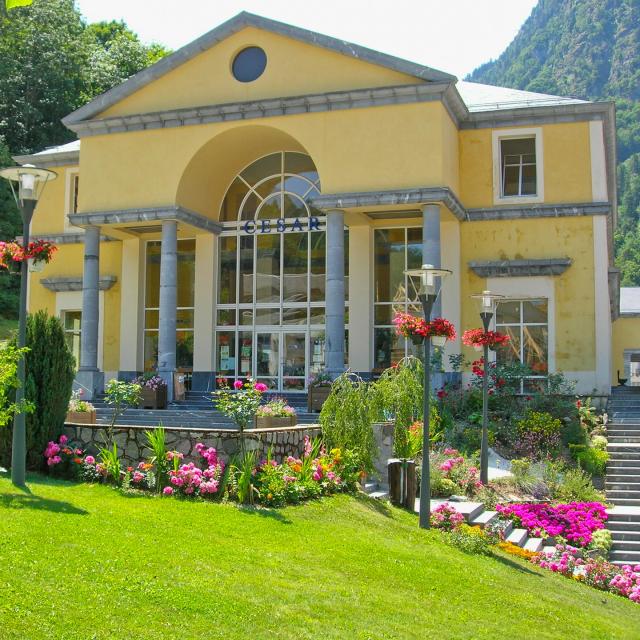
270,294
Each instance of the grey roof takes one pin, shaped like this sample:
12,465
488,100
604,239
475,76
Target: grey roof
629,300
53,156
235,24
485,97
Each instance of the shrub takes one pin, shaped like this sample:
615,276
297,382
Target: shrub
521,470
50,369
575,485
458,470
347,417
601,540
470,540
592,460
63,460
599,442
538,435
9,358
445,517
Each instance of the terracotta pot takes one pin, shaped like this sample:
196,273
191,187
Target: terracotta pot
316,397
271,422
153,398
81,417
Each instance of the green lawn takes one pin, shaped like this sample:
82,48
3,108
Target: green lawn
7,328
82,561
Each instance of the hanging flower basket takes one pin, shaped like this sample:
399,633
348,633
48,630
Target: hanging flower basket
439,329
38,253
478,338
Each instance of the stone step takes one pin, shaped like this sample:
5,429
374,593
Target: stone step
379,494
485,518
623,486
625,557
621,477
623,527
625,544
628,493
534,545
623,466
548,550
624,502
630,536
623,439
518,537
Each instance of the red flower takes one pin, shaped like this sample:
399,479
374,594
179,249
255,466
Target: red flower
441,394
479,337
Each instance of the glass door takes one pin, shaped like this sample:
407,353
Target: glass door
294,362
268,359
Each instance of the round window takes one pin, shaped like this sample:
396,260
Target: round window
249,64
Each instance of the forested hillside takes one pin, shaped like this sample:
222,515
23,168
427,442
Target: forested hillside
52,62
588,49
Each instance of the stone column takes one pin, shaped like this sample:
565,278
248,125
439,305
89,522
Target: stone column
89,377
168,301
431,245
334,342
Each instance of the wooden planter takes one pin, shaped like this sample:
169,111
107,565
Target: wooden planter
403,483
271,422
81,417
316,397
153,398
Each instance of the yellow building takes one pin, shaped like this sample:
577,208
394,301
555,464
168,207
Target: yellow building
248,205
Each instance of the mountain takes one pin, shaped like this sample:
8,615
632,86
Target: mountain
589,49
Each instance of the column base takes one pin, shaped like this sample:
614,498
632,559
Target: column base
90,381
167,376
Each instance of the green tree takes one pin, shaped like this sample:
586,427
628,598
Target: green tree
50,369
589,49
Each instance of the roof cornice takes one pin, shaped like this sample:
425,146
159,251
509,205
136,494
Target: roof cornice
232,26
273,107
146,215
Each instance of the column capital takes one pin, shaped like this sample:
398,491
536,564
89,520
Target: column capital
333,211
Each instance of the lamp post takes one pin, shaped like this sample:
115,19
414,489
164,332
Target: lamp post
487,302
30,183
426,282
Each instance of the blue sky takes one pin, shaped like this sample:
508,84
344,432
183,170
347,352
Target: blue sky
452,35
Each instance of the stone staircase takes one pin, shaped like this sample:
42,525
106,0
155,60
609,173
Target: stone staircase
196,411
622,483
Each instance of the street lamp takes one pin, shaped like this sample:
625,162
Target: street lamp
30,183
486,302
426,281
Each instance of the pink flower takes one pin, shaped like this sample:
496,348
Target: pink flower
237,385
261,387
168,491
63,439
90,460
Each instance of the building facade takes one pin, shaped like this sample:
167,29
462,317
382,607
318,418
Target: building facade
248,205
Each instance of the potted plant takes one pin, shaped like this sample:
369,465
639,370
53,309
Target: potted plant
319,390
275,414
80,411
153,391
477,338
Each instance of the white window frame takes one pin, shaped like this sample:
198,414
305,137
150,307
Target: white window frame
514,134
70,176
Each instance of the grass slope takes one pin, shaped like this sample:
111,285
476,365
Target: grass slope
82,561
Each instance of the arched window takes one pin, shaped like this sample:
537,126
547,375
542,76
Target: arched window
276,186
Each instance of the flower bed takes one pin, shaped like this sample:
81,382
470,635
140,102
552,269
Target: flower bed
598,573
458,475
317,472
575,522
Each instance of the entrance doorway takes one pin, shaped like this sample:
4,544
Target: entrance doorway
283,359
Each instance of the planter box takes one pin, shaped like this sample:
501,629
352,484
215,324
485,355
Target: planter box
316,397
403,483
153,398
81,417
270,422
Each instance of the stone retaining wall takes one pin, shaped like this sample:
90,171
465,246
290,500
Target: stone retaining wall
132,442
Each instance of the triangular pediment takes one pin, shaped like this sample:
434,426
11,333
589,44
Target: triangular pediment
299,62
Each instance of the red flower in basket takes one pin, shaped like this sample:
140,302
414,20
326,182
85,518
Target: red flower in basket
409,326
477,338
440,331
